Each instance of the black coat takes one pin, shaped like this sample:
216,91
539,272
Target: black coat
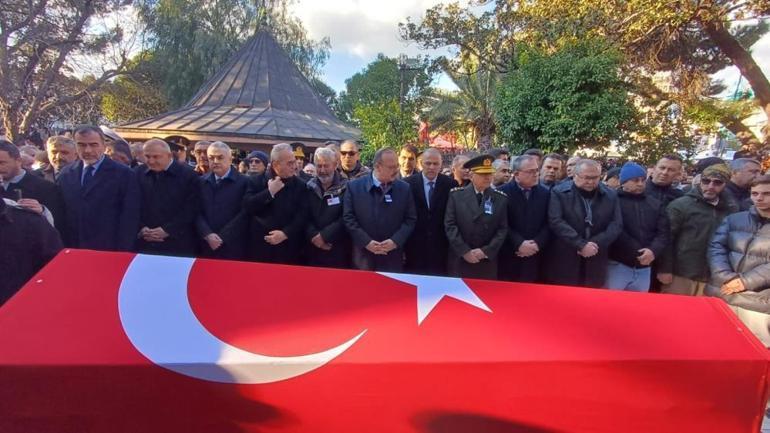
325,218
170,200
45,192
571,232
369,215
28,243
105,214
285,212
527,220
645,225
222,213
427,247
664,194
740,196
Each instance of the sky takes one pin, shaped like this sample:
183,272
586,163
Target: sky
360,29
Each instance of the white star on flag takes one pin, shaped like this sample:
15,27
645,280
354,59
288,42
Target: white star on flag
430,291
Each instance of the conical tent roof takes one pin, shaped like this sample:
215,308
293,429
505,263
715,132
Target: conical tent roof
258,94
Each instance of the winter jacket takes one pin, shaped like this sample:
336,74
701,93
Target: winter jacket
693,221
645,225
740,248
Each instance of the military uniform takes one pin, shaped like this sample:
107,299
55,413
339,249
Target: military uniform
471,224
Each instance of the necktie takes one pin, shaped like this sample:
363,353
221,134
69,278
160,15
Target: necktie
527,191
479,196
218,180
88,175
430,191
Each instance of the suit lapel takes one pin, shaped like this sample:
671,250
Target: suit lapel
470,202
100,174
421,192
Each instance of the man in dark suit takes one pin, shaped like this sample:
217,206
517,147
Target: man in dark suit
101,197
170,203
426,249
327,242
222,224
585,219
379,214
274,203
527,222
476,223
31,192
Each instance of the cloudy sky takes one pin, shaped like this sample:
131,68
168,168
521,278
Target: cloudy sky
359,29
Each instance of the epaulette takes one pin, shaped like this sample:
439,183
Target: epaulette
499,192
457,188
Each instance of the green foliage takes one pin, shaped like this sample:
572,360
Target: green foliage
384,124
560,101
136,95
381,82
657,133
469,108
191,39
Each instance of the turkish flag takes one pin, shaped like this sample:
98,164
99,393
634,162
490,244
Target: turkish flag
113,342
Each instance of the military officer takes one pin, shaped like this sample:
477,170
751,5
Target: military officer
476,223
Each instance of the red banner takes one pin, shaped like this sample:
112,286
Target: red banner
109,342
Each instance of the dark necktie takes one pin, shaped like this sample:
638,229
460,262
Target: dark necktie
88,176
430,191
479,197
526,192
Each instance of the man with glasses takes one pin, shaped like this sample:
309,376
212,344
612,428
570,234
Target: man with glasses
528,230
693,218
585,219
350,160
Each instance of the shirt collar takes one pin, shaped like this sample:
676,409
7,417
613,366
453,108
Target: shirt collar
215,177
425,180
18,177
376,182
96,165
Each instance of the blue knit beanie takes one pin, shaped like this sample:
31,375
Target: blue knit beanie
631,170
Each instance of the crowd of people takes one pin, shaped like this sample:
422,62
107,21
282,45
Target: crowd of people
529,218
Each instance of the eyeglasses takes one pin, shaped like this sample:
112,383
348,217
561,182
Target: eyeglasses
530,171
715,182
348,153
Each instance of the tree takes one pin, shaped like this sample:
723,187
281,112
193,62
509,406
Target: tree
43,43
381,82
191,39
384,124
688,40
469,108
564,100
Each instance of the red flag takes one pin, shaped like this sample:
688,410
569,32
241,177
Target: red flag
101,342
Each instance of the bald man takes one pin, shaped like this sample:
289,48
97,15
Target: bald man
169,203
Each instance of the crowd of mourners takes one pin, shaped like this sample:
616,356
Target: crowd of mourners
531,218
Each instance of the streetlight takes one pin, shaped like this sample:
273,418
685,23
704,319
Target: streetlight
405,64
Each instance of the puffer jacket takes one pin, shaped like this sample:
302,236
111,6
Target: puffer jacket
693,222
740,248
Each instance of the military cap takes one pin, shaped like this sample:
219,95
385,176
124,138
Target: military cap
481,164
299,150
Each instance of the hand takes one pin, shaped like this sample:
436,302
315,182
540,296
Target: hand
274,185
214,241
388,245
589,250
319,242
275,237
665,278
479,254
733,286
153,235
527,249
375,247
470,257
646,256
31,204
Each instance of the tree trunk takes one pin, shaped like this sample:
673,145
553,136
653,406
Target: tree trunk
748,139
742,59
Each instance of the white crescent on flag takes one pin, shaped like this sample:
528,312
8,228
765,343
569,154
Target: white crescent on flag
157,317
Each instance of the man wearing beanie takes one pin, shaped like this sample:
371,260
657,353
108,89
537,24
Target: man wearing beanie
644,237
257,161
694,218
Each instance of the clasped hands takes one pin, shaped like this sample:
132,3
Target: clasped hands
474,256
381,248
153,235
